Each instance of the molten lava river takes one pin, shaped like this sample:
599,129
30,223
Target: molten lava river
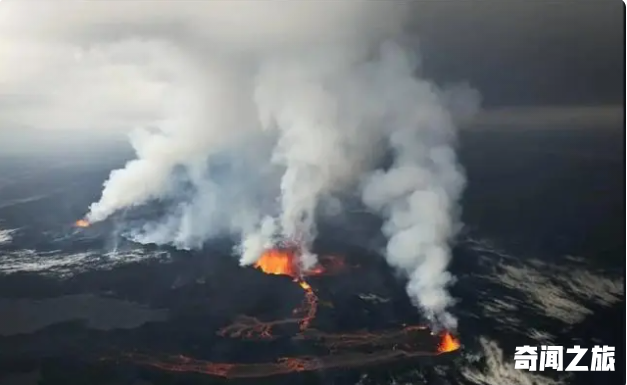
345,350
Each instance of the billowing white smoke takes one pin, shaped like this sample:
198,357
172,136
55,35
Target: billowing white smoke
418,193
323,138
267,108
332,114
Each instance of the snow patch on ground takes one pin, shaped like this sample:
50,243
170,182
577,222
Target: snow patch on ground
499,370
63,264
6,236
566,292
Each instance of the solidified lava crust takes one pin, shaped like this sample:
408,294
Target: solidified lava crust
345,350
282,366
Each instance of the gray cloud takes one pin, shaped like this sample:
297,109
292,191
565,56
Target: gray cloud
251,110
54,75
185,73
560,117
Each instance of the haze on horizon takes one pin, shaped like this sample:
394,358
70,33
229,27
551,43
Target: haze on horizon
559,57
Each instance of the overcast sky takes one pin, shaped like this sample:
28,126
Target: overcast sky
55,72
561,52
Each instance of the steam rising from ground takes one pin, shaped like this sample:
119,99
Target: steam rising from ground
250,114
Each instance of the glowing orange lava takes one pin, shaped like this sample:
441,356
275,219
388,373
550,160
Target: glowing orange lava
339,350
82,223
343,351
310,305
448,343
285,262
279,262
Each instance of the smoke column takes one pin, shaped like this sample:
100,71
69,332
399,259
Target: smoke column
261,110
418,193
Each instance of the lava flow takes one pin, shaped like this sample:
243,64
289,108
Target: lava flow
285,262
393,345
343,350
82,223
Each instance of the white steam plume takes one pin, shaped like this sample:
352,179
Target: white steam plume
257,111
418,193
331,115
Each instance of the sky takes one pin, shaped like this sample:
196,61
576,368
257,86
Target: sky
528,53
565,53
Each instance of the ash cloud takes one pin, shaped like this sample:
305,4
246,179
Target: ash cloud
244,116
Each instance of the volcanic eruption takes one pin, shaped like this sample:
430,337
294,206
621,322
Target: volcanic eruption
280,262
448,343
254,118
286,365
265,116
82,223
344,350
286,262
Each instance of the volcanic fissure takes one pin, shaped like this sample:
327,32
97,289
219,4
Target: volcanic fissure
345,349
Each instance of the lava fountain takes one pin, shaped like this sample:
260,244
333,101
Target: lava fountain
448,343
82,223
279,262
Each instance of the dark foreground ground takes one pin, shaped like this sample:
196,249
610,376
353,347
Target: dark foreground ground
543,205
